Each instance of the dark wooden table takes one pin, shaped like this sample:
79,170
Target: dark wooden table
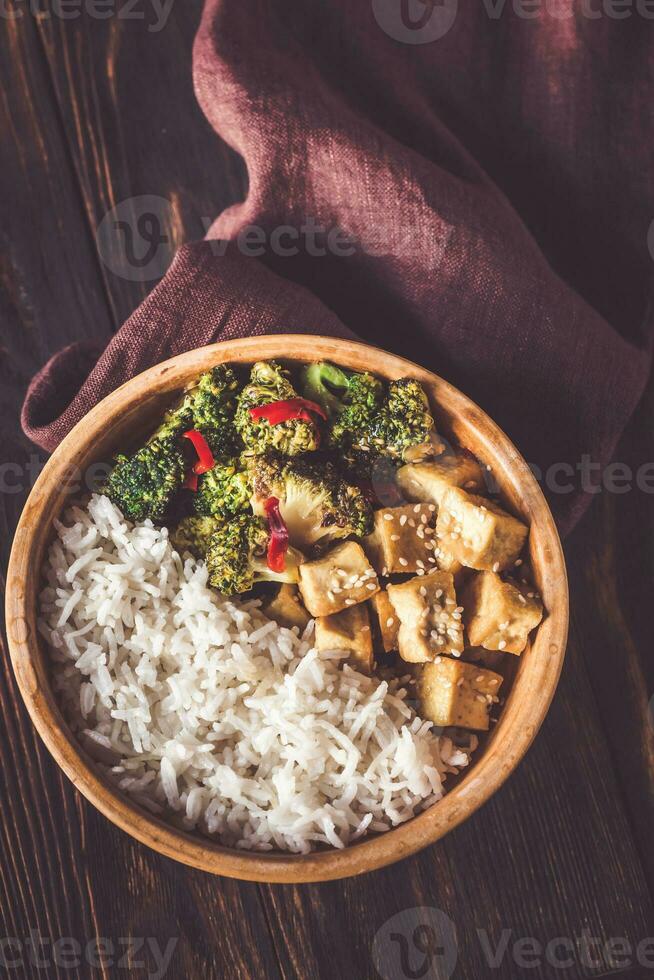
97,111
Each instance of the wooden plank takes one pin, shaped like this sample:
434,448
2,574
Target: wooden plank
126,100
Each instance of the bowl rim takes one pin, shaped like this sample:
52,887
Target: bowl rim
475,787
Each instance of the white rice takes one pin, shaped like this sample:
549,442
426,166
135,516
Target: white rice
204,711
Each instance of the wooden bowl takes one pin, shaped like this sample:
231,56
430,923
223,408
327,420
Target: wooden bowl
138,404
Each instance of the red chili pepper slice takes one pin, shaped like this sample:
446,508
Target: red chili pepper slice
286,411
278,543
205,461
191,482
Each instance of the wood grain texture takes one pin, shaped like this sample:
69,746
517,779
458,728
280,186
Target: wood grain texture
563,847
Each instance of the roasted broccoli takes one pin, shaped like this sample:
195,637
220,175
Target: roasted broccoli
209,407
143,485
362,401
326,384
225,489
236,556
269,382
193,534
316,504
403,422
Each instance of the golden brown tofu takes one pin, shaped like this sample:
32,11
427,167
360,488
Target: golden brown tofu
430,620
428,481
348,630
402,539
478,532
389,623
499,615
286,608
341,578
452,692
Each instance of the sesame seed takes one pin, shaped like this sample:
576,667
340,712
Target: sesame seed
365,629
518,562
390,621
423,590
479,677
411,522
496,566
501,645
522,599
420,533
493,681
431,560
395,537
403,520
403,562
350,602
384,570
371,586
420,563
388,517
416,509
480,697
330,595
432,508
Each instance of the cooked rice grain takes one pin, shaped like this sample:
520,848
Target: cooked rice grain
206,712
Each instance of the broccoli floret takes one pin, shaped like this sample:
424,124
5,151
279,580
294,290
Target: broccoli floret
143,485
193,534
326,384
269,382
404,420
236,556
223,490
208,406
316,504
361,402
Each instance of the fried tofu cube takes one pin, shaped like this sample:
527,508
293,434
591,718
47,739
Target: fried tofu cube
430,620
348,630
478,532
286,608
499,615
429,480
389,623
452,692
341,578
402,539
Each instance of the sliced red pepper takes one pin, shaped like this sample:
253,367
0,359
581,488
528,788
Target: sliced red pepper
191,482
278,543
205,461
285,411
